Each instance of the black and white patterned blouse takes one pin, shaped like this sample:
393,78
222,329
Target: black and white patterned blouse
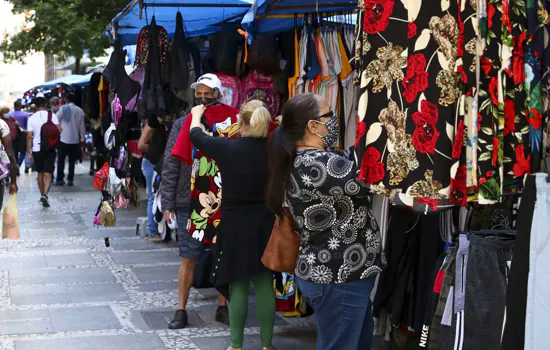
340,236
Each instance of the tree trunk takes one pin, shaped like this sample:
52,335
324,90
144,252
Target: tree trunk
77,65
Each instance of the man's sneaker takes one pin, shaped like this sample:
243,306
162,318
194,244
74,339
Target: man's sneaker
45,202
180,320
70,184
222,315
59,183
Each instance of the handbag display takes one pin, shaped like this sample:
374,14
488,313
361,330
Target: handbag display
102,177
281,252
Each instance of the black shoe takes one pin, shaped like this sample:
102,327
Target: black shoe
59,183
45,202
222,315
92,173
70,184
180,320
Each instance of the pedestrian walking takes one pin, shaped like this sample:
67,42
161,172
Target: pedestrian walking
20,145
340,253
7,151
73,137
148,170
41,141
246,223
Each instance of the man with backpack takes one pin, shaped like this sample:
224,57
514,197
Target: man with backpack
42,139
73,136
20,143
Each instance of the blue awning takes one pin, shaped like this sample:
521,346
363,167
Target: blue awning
272,16
201,17
75,79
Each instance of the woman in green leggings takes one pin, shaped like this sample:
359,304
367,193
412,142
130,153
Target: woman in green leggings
246,223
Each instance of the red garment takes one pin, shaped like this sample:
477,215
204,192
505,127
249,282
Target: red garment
206,186
183,149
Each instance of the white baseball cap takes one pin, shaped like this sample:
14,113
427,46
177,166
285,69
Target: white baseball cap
210,80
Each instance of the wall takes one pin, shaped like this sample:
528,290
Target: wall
17,77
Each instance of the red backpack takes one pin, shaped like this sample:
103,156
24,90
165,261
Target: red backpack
49,135
14,129
231,90
261,87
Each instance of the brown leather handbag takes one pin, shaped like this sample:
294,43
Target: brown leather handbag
281,252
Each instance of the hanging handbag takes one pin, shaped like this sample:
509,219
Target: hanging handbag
121,202
101,177
281,252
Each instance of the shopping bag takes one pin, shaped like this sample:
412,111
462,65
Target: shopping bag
10,225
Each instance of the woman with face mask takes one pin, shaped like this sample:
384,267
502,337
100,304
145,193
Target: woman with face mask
340,254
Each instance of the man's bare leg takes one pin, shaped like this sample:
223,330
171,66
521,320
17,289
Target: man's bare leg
48,179
185,281
40,180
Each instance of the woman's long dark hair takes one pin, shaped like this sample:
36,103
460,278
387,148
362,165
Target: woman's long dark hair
282,146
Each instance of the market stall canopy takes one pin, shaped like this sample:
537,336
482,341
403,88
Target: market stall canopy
201,17
75,79
272,16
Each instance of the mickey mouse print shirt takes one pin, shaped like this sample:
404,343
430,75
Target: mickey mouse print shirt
340,237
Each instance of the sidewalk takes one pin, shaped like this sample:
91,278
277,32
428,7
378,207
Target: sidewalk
61,288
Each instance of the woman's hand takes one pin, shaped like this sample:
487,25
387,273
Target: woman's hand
197,112
13,188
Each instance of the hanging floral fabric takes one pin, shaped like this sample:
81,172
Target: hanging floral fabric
408,104
453,110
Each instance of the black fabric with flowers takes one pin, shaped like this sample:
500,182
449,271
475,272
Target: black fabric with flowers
453,111
340,237
408,106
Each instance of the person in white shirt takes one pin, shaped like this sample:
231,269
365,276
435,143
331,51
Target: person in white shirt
73,136
43,161
8,149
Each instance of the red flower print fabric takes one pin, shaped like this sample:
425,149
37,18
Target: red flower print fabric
412,30
377,15
458,144
425,134
372,170
458,187
509,117
523,164
416,79
410,90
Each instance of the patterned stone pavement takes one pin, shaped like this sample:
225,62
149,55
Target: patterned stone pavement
62,289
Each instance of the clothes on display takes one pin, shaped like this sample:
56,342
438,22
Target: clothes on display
526,304
451,99
322,66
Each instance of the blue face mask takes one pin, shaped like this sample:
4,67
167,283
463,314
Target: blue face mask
332,136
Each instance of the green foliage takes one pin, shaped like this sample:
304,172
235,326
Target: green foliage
61,27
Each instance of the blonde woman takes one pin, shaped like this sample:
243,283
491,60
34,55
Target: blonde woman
247,223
